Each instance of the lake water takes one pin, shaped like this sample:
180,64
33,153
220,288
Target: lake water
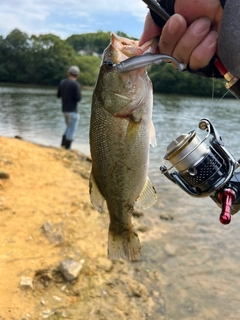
197,257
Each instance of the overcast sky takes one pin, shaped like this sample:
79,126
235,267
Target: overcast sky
67,17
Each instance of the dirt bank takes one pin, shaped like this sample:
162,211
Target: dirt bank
47,217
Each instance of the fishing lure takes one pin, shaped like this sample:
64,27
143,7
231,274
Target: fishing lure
145,60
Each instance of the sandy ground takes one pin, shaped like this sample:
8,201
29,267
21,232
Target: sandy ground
42,187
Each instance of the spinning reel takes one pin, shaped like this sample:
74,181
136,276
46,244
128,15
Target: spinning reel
203,170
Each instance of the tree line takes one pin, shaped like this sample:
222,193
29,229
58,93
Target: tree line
44,60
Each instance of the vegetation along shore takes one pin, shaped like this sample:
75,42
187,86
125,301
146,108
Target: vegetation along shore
44,60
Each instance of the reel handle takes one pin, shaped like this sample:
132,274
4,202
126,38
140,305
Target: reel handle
227,196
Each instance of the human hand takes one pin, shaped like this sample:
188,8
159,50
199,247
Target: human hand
191,34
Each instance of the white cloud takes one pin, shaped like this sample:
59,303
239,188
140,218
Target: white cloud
65,17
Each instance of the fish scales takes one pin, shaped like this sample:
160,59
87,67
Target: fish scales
120,132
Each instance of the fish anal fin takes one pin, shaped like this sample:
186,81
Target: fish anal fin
124,246
147,197
96,197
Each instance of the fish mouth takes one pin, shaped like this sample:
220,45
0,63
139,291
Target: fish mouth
131,88
128,48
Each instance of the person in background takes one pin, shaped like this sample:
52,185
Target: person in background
69,91
196,32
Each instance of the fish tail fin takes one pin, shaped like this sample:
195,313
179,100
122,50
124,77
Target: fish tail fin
125,245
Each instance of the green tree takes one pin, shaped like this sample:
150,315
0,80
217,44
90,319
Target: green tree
51,57
167,80
89,42
3,54
89,67
124,35
14,48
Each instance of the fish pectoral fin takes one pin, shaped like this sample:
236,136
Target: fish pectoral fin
147,197
152,136
96,197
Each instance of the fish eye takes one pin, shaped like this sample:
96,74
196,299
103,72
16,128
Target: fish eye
109,63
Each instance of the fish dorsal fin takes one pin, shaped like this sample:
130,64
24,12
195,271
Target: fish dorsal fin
96,197
152,136
147,197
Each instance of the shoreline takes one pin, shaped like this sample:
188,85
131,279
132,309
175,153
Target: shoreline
32,85
50,185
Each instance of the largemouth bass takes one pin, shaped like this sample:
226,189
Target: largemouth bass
121,130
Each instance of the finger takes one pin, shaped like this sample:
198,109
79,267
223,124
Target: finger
150,30
194,35
204,52
172,33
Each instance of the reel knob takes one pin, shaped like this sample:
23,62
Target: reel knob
226,197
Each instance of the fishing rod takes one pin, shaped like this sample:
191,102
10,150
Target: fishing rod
158,9
205,167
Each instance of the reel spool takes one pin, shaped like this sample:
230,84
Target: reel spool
198,165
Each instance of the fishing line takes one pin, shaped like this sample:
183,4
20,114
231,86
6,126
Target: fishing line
213,89
216,104
223,96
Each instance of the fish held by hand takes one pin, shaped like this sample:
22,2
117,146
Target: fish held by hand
121,131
